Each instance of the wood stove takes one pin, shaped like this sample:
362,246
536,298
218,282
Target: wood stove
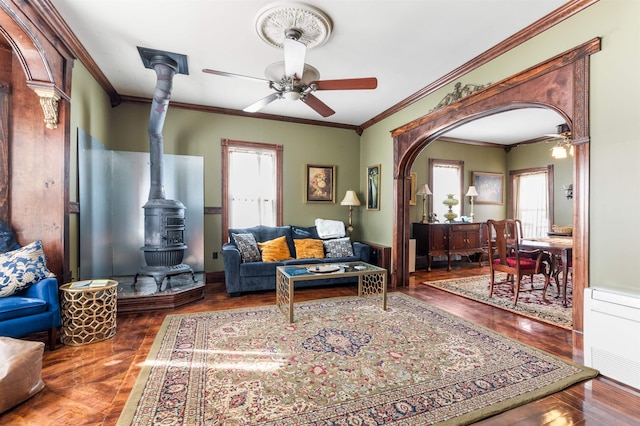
164,220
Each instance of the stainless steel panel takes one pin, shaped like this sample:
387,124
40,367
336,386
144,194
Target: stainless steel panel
111,244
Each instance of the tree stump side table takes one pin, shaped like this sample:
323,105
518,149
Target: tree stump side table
88,310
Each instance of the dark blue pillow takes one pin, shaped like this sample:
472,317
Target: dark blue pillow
7,240
302,233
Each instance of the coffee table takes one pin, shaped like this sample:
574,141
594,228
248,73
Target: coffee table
372,281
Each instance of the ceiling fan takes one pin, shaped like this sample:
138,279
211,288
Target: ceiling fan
564,141
294,80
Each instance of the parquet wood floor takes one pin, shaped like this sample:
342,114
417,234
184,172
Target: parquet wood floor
89,385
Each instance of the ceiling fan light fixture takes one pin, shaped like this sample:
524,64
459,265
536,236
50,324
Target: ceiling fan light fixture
291,95
558,152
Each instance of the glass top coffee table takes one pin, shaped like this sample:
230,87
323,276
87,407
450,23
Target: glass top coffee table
372,281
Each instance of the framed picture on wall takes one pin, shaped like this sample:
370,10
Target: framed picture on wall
414,188
490,187
320,184
373,187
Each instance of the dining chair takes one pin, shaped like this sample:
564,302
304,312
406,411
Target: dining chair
548,259
506,256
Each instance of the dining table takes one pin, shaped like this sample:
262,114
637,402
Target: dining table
556,246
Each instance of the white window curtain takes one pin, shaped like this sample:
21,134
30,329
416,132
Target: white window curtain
252,188
446,180
532,203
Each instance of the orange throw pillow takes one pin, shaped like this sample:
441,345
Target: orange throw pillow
309,248
275,250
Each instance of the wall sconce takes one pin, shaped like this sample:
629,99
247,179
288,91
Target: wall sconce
424,191
568,191
471,192
350,199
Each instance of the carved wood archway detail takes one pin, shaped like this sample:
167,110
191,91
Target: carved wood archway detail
38,74
561,84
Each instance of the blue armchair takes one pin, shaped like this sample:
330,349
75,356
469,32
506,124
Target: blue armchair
32,310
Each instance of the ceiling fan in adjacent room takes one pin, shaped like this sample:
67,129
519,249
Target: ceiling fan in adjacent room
564,141
304,27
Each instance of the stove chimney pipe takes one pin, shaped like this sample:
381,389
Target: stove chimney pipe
165,69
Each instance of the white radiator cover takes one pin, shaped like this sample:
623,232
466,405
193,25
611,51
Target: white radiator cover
612,334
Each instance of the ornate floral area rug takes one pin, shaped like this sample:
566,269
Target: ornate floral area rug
344,361
530,301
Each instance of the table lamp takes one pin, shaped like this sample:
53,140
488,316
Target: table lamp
424,191
471,192
350,199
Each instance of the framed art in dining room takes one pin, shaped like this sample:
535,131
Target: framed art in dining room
320,184
373,187
490,187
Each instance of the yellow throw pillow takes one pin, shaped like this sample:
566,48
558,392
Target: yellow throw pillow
309,248
275,250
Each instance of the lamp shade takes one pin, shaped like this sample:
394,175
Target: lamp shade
471,192
350,199
424,190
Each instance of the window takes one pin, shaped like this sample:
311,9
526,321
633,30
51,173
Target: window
532,200
251,185
445,177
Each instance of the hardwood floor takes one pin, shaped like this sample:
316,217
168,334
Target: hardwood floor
89,385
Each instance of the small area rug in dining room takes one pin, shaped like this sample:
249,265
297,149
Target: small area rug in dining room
343,361
530,301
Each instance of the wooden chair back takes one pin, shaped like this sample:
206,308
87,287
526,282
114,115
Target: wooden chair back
503,237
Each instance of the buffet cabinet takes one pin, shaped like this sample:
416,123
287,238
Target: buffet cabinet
447,239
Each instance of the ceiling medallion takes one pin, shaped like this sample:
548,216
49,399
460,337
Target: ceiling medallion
274,20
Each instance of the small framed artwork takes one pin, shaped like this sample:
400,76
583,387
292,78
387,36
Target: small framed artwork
320,184
373,187
490,187
414,188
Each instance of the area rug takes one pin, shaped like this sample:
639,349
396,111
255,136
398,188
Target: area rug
344,361
530,301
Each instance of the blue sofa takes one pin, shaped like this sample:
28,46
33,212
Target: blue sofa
255,276
34,309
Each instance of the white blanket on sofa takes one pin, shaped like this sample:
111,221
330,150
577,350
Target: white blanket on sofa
330,228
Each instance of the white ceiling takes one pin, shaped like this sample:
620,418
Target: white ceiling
405,44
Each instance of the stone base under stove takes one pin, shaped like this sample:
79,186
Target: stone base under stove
177,290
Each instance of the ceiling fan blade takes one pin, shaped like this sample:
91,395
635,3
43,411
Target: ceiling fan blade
294,53
257,106
228,74
347,84
319,106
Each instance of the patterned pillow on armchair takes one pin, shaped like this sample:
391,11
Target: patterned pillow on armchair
21,268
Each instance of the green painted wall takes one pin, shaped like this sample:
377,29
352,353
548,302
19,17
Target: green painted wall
195,133
614,131
476,159
615,140
90,111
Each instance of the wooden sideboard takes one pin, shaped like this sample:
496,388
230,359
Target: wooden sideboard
447,239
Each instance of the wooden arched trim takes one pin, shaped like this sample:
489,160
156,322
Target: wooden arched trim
32,57
561,84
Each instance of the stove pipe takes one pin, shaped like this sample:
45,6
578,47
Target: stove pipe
164,222
165,69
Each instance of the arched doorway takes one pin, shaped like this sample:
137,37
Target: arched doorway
561,84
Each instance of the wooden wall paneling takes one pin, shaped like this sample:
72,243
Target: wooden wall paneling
38,155
4,151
